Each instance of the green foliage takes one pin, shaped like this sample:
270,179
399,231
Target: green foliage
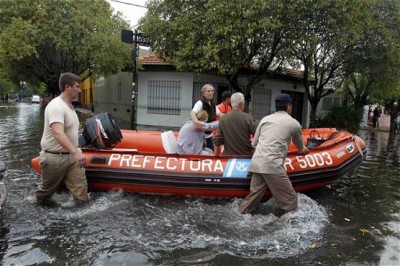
6,85
343,118
39,39
219,35
327,31
372,67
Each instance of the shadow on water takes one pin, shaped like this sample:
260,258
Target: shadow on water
354,221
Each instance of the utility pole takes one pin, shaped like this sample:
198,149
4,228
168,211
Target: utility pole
136,38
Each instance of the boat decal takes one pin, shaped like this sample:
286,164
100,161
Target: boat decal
164,163
311,160
350,148
340,154
237,168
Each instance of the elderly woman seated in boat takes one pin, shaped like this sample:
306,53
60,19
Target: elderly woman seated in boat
191,140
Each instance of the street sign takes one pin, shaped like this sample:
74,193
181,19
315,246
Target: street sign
142,39
128,36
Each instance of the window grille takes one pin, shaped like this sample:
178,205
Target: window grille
261,102
164,97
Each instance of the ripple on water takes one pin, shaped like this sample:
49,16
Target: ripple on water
122,225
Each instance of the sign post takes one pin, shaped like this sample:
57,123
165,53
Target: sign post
136,38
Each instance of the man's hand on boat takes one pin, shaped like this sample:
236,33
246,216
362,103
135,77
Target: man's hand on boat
304,150
79,157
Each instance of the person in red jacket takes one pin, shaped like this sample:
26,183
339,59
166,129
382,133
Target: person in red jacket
225,106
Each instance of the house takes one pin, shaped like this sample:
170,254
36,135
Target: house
86,96
166,96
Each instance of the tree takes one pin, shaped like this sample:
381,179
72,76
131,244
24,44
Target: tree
39,39
372,68
223,36
328,29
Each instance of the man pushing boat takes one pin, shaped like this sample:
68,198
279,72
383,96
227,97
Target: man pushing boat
272,139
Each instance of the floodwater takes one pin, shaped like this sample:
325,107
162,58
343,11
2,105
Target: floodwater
353,222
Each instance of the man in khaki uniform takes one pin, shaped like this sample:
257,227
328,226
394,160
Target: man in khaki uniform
61,160
272,139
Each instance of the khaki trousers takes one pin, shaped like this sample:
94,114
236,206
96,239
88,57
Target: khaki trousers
58,169
280,187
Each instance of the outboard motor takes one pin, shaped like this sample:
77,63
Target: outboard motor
100,132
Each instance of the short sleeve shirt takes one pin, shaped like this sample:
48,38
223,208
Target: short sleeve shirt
57,111
198,106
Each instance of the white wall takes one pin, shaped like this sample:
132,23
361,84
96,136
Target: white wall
144,118
113,95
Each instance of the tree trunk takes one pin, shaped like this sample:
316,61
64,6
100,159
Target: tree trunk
313,115
392,123
359,106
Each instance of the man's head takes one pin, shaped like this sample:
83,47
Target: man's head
283,102
202,116
68,79
237,101
226,97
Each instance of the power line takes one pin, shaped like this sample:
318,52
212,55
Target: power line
125,3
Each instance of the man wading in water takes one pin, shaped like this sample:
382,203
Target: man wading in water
272,139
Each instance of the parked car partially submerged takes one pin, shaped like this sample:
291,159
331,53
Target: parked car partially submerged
35,99
13,97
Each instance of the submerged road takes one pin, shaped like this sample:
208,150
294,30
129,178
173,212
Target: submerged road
356,221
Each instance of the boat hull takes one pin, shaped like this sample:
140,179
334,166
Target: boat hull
131,169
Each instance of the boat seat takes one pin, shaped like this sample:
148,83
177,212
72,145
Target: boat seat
169,142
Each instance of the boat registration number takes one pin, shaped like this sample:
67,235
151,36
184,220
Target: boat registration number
309,161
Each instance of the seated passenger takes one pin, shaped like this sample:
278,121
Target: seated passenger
192,141
236,128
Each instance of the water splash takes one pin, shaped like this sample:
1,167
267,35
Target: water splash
201,224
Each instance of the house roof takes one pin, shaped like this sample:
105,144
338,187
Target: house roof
155,60
292,72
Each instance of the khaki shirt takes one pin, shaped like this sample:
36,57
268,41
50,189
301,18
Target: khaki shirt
272,139
58,111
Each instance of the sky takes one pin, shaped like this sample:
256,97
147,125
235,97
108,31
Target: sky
132,10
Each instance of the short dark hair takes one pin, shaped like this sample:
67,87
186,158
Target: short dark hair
282,101
281,106
226,94
69,79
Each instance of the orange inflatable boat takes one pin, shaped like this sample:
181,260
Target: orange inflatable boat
144,162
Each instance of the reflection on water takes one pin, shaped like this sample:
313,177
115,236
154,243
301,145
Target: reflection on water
355,221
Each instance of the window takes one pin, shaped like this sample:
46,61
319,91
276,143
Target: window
328,102
164,97
261,102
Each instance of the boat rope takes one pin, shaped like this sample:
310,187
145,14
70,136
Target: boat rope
358,148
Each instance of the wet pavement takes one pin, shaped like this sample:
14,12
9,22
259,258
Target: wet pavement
355,221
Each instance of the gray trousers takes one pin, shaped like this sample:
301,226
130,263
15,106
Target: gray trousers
280,187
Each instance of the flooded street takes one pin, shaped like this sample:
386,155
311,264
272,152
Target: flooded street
356,221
